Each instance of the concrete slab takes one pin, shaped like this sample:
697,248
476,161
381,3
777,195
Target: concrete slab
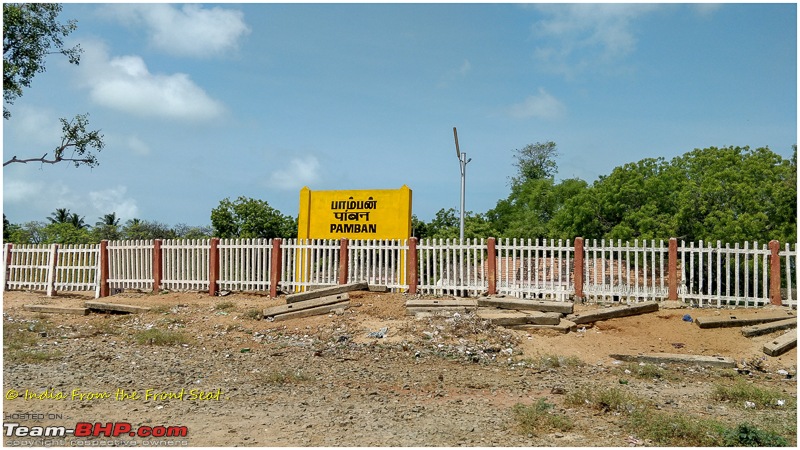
429,303
526,305
769,327
56,309
563,326
742,319
116,307
326,291
317,311
306,304
378,288
502,317
506,317
412,311
613,312
658,358
781,344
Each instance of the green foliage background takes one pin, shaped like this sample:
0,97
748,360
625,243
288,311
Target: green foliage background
730,194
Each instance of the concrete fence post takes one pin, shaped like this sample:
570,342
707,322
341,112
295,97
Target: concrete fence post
343,266
275,272
104,269
51,270
213,267
7,268
578,268
157,273
672,269
775,273
411,269
491,265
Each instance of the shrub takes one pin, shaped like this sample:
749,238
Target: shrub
539,417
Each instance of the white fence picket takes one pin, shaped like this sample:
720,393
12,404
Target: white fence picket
643,278
78,268
535,269
708,275
452,268
709,265
130,265
185,264
29,268
789,261
245,264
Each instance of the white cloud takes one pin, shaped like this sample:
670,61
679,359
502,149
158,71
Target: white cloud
37,198
301,172
458,73
125,84
114,200
541,106
705,9
137,146
34,126
16,191
578,37
190,30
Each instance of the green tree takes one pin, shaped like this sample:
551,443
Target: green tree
8,229
60,215
535,198
183,231
28,233
137,229
77,221
107,228
731,194
31,31
535,162
251,218
736,194
64,233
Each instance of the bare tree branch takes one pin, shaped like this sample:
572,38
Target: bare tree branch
76,137
43,160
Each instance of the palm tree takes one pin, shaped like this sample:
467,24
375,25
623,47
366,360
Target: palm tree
110,220
61,215
77,221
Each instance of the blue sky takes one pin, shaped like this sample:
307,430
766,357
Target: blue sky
203,102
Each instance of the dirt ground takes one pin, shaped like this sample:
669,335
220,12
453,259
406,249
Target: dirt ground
234,380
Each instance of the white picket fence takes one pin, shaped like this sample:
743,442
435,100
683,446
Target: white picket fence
624,271
245,264
708,275
130,265
534,269
447,267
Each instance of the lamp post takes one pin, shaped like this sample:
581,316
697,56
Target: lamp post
463,161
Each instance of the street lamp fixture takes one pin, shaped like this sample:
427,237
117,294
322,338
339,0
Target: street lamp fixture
463,161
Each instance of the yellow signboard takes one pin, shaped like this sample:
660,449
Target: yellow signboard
355,214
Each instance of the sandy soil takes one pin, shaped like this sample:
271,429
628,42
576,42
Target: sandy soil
322,381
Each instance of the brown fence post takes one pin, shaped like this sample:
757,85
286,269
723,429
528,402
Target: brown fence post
411,266
578,268
156,265
213,267
51,275
275,273
775,273
8,266
672,269
491,263
104,269
343,261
